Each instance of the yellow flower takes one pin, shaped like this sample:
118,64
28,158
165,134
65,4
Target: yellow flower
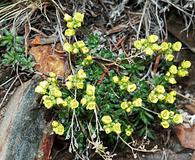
52,75
169,57
45,97
80,44
68,47
75,50
128,109
172,80
70,32
128,131
40,90
138,44
124,105
70,77
143,40
173,93
79,17
84,50
56,92
164,46
165,124
91,105
186,64
55,124
81,74
161,97
64,104
182,72
152,38
59,129
117,128
168,74
89,58
165,114
148,51
177,118
83,101
170,99
74,104
79,85
70,25
160,89
59,101
69,85
177,46
153,98
107,130
137,102
44,84
171,114
67,17
125,79
90,90
106,119
48,103
115,79
52,80
131,87
77,24
155,47
173,69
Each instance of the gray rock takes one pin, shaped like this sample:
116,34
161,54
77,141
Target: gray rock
22,125
167,155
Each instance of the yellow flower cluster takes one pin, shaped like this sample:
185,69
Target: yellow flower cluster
181,71
76,80
110,126
50,90
169,117
73,23
128,105
168,48
129,130
170,97
89,98
124,83
149,46
71,102
58,128
76,47
87,61
159,94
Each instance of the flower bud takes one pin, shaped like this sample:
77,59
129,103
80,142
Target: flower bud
78,17
152,38
186,64
68,47
70,32
115,79
173,69
177,118
165,124
67,17
177,46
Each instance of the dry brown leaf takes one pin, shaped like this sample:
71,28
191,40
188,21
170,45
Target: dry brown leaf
186,136
117,29
190,107
47,62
